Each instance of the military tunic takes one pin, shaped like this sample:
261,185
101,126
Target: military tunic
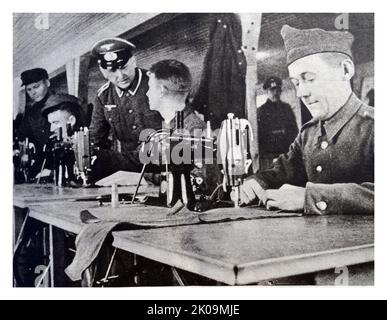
124,115
333,160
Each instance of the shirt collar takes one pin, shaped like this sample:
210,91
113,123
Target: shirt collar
133,88
341,117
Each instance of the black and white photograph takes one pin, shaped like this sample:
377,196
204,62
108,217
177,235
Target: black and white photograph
187,149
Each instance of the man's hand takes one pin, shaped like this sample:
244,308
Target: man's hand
288,197
251,190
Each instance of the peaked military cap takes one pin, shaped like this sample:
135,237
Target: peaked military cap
113,53
272,82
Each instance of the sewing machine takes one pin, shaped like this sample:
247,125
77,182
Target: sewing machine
63,159
178,154
82,151
23,159
231,148
234,150
71,157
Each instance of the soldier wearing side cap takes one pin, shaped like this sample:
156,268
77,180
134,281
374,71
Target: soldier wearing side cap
121,108
276,124
329,168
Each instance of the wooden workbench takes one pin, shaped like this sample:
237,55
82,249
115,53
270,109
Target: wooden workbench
244,252
235,253
25,194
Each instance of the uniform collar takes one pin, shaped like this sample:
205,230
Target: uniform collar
133,88
186,112
341,117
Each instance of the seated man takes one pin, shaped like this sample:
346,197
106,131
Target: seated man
63,111
65,116
169,85
329,168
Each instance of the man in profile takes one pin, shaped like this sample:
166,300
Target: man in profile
329,168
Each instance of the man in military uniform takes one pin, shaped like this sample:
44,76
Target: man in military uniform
329,168
121,108
277,127
32,124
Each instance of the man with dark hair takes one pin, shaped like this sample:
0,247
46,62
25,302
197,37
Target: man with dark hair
63,111
329,168
121,110
277,127
65,116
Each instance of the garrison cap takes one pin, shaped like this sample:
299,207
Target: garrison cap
59,100
302,43
272,82
33,75
113,53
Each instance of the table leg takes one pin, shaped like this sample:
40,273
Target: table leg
177,277
51,244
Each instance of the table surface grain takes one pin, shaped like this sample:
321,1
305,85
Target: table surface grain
242,252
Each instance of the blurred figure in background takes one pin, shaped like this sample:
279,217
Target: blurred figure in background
277,126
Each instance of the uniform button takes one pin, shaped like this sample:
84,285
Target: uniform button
134,127
319,169
110,119
324,145
322,205
130,111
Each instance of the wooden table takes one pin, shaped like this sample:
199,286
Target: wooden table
245,252
25,194
239,252
58,207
